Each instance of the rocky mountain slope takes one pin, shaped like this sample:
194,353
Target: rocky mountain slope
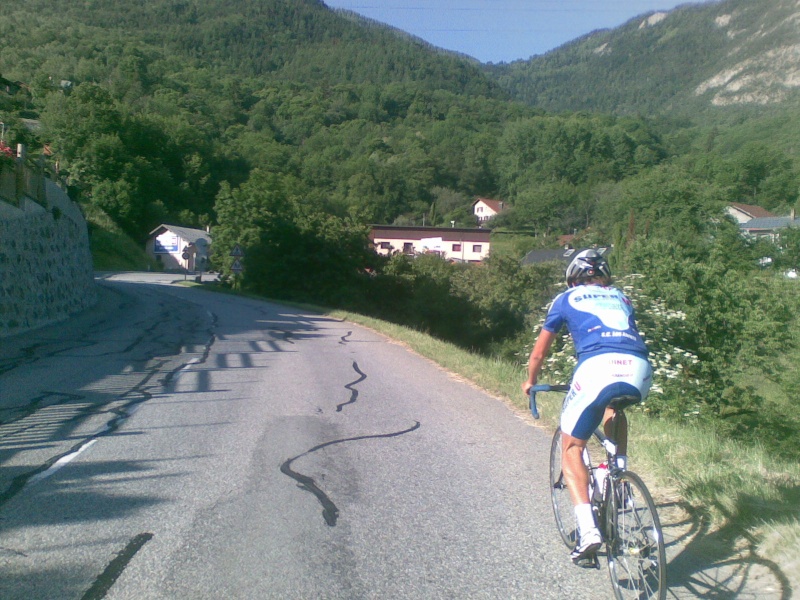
696,57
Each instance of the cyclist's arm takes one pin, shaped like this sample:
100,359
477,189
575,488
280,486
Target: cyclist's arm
536,359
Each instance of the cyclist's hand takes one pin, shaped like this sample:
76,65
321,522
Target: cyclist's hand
526,387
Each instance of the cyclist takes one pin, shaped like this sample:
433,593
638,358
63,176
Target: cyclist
612,361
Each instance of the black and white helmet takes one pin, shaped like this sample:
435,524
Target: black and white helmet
587,264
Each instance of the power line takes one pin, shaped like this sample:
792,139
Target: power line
438,9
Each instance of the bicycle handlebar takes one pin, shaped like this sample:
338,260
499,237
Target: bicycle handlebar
546,387
532,402
542,387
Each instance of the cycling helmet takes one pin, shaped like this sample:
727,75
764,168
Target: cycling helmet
587,264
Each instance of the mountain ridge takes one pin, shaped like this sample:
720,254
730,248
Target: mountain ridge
692,58
300,40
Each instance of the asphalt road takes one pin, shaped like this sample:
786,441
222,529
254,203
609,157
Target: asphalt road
176,443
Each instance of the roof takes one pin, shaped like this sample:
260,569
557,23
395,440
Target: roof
450,234
185,233
751,210
496,205
769,223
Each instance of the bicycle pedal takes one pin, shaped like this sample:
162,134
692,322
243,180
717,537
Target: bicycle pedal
588,562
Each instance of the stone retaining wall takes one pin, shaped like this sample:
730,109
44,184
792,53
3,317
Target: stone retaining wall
45,263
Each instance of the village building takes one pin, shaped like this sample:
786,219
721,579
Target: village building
451,243
742,213
179,248
757,222
769,227
485,208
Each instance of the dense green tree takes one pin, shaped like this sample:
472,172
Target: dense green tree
664,202
788,254
73,120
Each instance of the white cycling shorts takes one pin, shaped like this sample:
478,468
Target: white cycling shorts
597,381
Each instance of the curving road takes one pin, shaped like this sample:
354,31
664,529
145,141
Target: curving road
175,443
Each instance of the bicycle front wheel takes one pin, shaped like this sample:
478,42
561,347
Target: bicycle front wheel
562,503
637,559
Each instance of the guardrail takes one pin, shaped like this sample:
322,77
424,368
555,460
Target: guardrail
23,179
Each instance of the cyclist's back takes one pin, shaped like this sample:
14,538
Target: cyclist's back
599,319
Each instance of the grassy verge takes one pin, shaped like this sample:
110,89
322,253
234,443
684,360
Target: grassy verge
112,249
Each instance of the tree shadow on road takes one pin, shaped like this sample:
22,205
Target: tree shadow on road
726,562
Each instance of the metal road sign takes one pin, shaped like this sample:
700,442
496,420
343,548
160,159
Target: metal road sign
237,251
237,267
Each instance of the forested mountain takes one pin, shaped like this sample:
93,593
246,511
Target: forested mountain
151,107
161,110
697,57
298,40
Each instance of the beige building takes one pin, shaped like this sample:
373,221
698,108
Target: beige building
743,213
451,243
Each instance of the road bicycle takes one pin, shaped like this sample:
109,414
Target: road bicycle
623,508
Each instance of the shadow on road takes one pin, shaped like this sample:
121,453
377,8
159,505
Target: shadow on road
719,564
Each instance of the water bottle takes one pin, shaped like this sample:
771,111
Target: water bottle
600,474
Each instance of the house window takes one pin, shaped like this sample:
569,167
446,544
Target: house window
386,246
408,247
477,247
456,247
478,209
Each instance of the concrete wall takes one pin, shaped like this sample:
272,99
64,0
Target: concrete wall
45,263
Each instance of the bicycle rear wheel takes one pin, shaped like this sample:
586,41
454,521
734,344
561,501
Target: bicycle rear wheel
562,503
637,560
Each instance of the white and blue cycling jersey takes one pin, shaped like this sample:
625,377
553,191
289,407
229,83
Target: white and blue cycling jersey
600,319
612,357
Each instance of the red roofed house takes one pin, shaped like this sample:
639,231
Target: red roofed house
484,208
746,212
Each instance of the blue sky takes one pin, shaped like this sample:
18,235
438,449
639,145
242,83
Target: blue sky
502,30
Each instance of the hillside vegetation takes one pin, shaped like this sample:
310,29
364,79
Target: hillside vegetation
289,128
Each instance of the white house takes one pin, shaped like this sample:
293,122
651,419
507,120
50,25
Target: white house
179,248
451,243
484,208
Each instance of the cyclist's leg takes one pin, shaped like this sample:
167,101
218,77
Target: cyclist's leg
576,474
580,417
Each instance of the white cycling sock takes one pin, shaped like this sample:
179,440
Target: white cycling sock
585,517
